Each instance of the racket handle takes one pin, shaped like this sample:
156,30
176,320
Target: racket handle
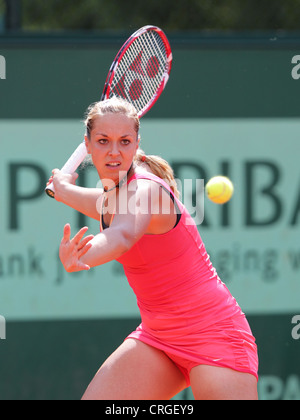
70,167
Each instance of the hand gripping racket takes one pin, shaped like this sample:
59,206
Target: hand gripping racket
138,74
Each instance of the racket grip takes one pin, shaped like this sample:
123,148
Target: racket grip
70,167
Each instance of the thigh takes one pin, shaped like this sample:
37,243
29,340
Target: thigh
136,371
217,383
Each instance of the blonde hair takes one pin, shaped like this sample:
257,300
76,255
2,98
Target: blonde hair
110,106
158,166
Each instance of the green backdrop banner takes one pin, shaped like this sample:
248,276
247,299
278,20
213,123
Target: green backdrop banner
253,241
227,81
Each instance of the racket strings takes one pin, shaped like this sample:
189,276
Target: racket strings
141,70
136,59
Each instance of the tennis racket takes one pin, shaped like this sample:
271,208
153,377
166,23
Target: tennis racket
138,74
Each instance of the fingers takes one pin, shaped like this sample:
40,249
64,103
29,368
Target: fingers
85,241
77,240
55,171
74,178
67,233
82,266
78,237
84,250
71,250
50,181
85,245
61,177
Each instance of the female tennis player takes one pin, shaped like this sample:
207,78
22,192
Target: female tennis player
193,332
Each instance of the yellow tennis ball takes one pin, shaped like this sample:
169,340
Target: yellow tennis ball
219,189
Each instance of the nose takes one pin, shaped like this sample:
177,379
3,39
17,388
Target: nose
114,151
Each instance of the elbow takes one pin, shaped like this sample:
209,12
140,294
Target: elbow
126,242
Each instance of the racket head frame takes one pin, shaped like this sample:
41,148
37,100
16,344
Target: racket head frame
120,55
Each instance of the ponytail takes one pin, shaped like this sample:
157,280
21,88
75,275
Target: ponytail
160,167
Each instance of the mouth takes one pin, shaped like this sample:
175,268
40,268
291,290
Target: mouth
113,165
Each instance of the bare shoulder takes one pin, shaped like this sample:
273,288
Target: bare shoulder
143,185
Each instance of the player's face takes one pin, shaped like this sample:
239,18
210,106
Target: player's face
113,144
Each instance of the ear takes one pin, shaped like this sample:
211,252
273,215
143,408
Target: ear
87,144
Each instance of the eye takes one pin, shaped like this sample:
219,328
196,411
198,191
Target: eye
102,141
125,142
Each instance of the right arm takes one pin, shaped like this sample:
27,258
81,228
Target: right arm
83,200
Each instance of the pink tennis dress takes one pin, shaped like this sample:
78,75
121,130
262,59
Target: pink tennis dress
186,310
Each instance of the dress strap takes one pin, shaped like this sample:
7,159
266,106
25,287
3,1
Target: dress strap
151,177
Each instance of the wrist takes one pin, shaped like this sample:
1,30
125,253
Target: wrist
63,192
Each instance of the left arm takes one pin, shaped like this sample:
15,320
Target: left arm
111,244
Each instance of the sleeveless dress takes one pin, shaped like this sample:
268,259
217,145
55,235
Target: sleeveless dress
186,310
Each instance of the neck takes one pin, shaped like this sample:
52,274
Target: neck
121,182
